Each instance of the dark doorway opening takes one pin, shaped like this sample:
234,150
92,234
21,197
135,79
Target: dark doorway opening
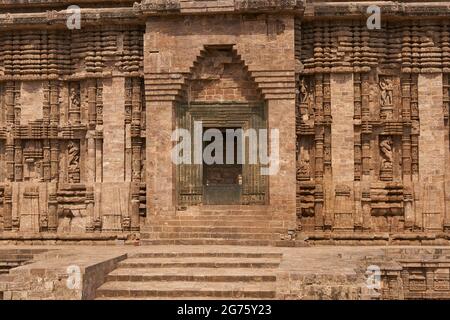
222,182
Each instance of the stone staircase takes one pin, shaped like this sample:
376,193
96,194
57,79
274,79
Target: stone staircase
12,258
211,225
193,275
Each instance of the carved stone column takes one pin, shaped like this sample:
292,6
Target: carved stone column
54,160
9,101
7,211
431,150
92,108
52,208
136,160
90,202
342,133
46,163
318,207
9,157
160,169
18,160
282,184
135,203
54,103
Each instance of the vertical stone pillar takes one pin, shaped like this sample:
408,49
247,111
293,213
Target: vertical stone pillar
113,130
115,191
54,102
282,185
92,106
18,160
136,160
98,159
446,108
90,161
9,157
342,151
406,154
160,169
54,159
52,208
431,150
9,101
7,211
2,162
134,210
47,160
90,202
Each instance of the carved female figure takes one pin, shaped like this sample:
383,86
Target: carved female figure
304,94
386,91
386,152
74,98
74,155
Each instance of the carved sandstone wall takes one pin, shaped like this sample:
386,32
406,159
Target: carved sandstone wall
86,115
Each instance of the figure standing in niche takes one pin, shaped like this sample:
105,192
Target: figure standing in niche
304,163
386,153
386,91
74,98
304,94
74,155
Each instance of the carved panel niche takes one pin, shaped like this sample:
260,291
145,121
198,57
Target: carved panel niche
74,104
135,128
313,149
73,161
386,157
390,97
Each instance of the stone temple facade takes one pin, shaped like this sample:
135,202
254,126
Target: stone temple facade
87,116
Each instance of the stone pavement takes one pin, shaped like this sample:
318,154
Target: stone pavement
205,272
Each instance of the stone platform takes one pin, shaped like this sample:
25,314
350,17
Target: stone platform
222,272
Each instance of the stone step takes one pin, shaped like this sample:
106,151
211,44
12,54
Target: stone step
206,254
207,213
193,274
218,217
10,264
218,223
210,235
22,251
200,262
214,229
15,257
209,241
173,289
241,208
174,298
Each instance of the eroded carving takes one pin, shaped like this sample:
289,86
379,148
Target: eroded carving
73,152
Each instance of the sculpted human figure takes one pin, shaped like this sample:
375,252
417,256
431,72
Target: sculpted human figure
386,152
74,155
74,98
386,91
303,91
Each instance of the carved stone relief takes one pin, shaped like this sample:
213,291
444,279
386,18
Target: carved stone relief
387,158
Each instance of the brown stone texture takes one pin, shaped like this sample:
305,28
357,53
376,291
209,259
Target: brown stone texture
223,272
87,117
